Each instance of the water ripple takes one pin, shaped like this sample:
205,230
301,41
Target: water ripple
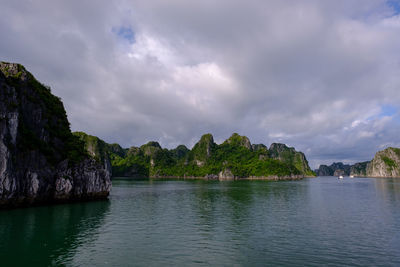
313,222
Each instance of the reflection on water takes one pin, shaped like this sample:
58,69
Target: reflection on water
43,236
313,222
389,188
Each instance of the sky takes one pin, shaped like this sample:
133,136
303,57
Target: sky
322,76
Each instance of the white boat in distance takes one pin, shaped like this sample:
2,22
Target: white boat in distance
351,176
340,177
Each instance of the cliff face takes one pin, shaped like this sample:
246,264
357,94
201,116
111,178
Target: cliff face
234,158
359,169
336,169
203,149
386,163
290,156
97,148
324,170
40,160
237,140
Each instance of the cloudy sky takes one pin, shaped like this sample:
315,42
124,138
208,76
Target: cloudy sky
320,75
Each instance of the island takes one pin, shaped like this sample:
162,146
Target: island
385,164
41,161
236,158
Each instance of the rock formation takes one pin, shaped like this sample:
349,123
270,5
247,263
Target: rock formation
226,174
40,160
359,169
235,158
97,148
386,163
290,156
324,170
335,169
238,140
203,149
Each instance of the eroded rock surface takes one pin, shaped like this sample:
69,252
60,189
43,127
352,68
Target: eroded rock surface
40,160
386,163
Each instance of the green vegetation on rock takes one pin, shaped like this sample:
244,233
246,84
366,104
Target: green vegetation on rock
386,163
389,162
96,147
290,156
236,156
359,169
42,161
42,110
31,98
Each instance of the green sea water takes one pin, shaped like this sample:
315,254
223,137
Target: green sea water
313,222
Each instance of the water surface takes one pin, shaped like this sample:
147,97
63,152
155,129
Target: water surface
312,222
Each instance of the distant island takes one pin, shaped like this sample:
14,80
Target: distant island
236,158
385,164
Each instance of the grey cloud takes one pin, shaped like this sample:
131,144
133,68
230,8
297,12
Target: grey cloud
308,73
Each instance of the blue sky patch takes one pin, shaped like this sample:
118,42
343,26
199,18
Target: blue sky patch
392,111
395,4
125,33
388,110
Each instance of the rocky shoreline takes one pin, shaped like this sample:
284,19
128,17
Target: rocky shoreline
217,178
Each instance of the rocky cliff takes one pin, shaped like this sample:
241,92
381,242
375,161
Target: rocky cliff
97,149
359,169
40,160
386,163
335,169
235,158
290,156
203,149
238,140
324,170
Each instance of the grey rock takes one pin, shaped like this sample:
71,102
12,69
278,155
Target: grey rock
386,163
35,144
239,140
212,177
289,155
339,172
335,169
226,174
359,169
257,147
